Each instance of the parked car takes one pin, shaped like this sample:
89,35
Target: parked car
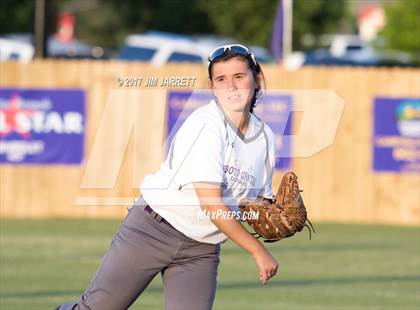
346,50
159,48
76,49
351,50
20,46
12,49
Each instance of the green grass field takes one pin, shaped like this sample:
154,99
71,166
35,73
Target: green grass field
47,262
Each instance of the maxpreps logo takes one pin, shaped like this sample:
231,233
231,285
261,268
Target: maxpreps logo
408,118
28,126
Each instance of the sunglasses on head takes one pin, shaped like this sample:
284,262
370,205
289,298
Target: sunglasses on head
236,49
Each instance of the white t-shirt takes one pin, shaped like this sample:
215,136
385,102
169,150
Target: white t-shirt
207,148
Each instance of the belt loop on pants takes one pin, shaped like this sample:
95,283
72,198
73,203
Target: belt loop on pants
156,216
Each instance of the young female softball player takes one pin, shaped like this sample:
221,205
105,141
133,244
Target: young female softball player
222,152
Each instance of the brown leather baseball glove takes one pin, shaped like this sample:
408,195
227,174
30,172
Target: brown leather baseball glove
282,217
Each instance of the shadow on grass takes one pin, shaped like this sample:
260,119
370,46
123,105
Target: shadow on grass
40,294
310,282
68,295
316,248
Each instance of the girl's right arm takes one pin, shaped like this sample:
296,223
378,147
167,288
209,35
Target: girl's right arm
209,196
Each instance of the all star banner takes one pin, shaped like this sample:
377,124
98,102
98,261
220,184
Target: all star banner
42,126
396,136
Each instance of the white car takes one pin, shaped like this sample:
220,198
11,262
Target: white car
159,49
16,50
20,47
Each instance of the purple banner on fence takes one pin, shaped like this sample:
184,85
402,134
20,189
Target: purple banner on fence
396,136
275,111
42,126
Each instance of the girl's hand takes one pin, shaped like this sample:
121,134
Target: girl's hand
266,264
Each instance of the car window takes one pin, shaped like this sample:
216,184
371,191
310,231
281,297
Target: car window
14,55
137,53
180,57
354,47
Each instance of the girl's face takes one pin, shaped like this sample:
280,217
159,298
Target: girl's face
233,84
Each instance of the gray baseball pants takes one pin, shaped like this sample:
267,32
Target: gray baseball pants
144,246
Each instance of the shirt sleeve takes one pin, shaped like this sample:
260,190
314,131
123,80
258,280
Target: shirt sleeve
198,153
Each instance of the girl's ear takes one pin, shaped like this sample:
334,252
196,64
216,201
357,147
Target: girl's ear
259,80
210,86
